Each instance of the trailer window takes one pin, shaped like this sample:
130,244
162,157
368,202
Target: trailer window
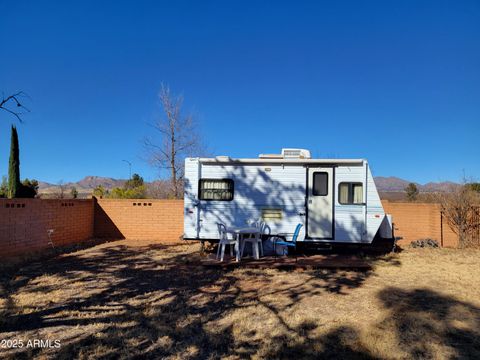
216,189
320,184
350,193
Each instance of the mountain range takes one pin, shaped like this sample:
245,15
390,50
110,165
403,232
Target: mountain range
86,185
384,184
395,184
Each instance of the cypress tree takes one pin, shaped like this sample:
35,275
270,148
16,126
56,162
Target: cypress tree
14,185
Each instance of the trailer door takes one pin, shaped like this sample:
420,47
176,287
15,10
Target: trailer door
320,203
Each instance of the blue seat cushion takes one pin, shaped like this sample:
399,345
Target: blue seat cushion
285,243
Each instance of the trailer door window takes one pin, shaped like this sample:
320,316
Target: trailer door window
320,184
350,193
216,189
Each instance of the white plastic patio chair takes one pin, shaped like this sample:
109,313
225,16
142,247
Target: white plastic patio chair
224,241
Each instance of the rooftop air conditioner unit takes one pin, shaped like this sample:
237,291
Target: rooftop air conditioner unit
296,154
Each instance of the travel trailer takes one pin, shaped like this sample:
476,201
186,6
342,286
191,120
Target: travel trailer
335,199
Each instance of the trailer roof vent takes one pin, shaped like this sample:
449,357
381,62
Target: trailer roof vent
296,154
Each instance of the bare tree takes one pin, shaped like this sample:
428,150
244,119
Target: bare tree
460,208
60,193
179,139
12,105
161,189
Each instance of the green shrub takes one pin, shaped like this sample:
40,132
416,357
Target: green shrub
138,192
4,187
28,189
100,192
74,192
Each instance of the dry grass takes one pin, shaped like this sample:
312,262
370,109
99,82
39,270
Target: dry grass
128,299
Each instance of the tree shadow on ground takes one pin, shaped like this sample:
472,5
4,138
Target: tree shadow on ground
138,303
123,301
10,265
136,300
428,322
425,325
335,280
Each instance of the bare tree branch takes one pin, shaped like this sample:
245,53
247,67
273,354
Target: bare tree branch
14,99
460,207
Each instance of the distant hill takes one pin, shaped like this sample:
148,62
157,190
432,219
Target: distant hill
85,186
91,182
391,183
44,185
438,187
395,184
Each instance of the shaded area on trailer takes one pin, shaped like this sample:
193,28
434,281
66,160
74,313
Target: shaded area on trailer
259,190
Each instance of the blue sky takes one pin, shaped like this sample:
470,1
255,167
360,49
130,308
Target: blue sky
396,82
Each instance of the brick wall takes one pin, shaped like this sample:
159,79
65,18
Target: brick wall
162,220
414,221
142,219
24,224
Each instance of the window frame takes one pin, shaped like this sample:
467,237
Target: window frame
350,193
200,190
313,183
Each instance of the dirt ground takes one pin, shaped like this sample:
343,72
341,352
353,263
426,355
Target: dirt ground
128,299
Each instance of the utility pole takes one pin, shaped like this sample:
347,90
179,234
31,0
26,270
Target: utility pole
129,167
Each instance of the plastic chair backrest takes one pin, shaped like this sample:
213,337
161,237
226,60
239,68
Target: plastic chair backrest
222,230
297,231
265,229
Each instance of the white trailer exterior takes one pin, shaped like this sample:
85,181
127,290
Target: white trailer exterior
335,199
